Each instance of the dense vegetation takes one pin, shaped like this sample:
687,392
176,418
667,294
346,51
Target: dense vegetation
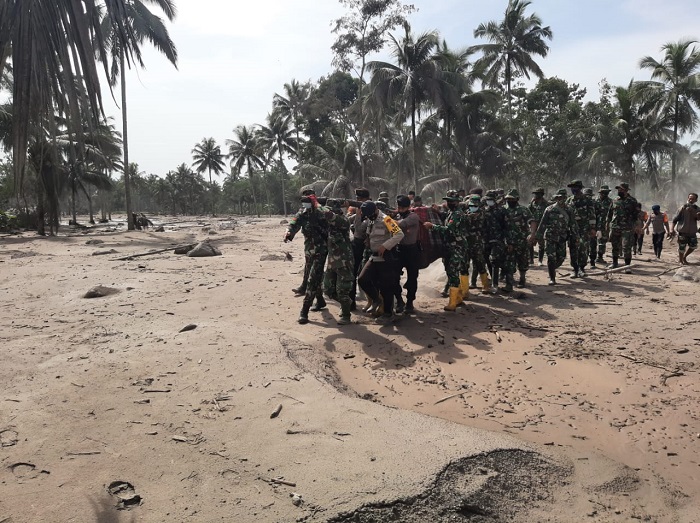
430,118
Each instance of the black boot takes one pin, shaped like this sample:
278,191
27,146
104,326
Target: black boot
494,279
299,291
552,273
615,263
628,261
472,283
521,282
304,314
445,292
400,305
320,304
508,287
409,309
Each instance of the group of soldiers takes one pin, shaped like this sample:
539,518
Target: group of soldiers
369,244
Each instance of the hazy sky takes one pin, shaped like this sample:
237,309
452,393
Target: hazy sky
235,54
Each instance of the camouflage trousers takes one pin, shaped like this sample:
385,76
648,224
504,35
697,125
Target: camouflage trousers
494,254
455,264
475,255
337,284
555,251
578,250
540,249
518,258
604,238
317,261
621,242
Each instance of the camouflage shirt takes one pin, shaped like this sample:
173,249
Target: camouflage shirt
339,245
537,209
454,230
494,224
622,214
517,221
314,226
604,204
583,210
556,223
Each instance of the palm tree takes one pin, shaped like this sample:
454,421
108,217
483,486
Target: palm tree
277,137
207,157
512,43
410,82
675,88
244,151
292,105
142,25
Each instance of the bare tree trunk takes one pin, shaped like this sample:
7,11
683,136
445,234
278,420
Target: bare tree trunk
125,143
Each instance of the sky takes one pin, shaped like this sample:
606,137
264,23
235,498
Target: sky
234,55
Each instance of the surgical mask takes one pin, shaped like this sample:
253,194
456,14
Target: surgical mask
575,190
490,203
512,203
306,205
473,208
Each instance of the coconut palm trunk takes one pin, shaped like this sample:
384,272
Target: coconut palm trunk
125,145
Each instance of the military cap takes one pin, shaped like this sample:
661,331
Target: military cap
383,194
623,185
655,207
474,198
558,195
307,192
588,191
604,188
539,190
576,183
500,192
361,192
491,194
403,201
451,196
513,194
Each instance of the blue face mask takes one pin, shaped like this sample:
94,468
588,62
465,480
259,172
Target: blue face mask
473,208
306,205
575,190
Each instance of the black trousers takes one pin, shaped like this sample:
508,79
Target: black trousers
658,240
409,259
358,251
381,277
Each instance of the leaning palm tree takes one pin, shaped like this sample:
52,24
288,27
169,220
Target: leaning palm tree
675,88
512,43
207,156
142,25
244,151
277,138
413,80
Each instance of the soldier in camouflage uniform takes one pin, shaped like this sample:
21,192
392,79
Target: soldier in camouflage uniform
475,242
537,206
593,242
583,210
453,232
301,290
494,236
604,202
620,221
339,272
519,225
312,216
554,228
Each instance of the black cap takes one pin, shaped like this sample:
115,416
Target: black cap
307,192
403,201
362,192
368,209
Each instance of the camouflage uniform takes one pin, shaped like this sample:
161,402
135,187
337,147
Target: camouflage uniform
583,211
620,221
474,226
554,228
315,251
517,219
604,202
339,272
537,207
593,242
454,234
494,235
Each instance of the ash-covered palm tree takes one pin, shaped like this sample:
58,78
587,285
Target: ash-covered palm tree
244,150
142,25
277,138
512,43
207,156
413,80
292,105
675,89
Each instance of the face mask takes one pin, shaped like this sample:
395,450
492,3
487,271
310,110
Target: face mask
512,203
451,206
575,190
473,208
621,194
490,203
405,213
657,212
306,205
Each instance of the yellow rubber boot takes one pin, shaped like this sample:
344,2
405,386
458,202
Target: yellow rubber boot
485,283
464,287
454,299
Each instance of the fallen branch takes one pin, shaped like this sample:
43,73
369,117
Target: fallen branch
93,453
671,375
668,270
635,360
450,397
611,271
158,251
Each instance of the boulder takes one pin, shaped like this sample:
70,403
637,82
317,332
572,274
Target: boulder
94,242
204,249
184,249
159,229
689,273
100,292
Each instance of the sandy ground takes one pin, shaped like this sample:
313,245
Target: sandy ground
573,403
